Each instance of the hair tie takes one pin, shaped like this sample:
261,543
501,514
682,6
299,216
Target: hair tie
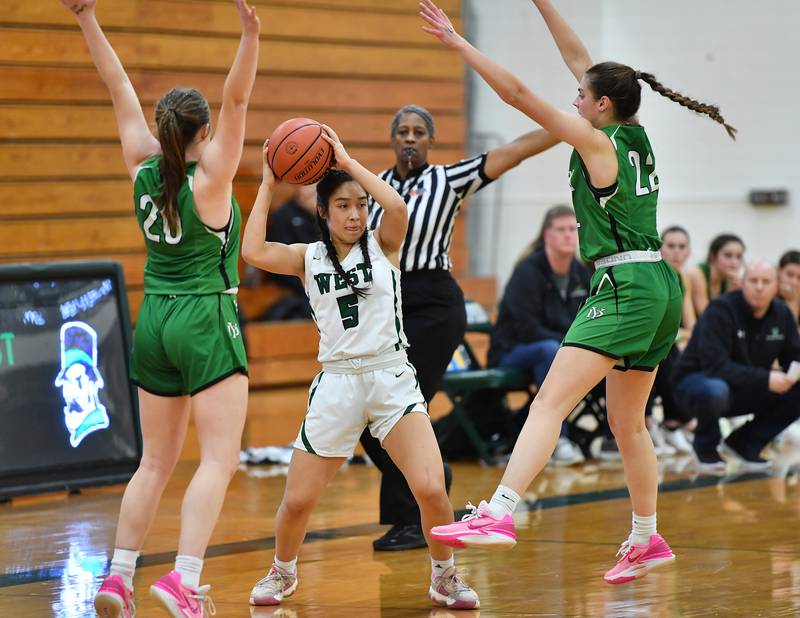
637,74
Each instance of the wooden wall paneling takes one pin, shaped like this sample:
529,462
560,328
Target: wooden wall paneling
45,197
97,122
271,91
282,339
113,233
35,161
278,21
147,50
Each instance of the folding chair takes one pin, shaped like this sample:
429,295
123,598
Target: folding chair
466,377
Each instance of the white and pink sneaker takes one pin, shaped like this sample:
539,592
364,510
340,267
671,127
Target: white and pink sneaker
478,528
274,588
181,601
114,599
638,560
449,590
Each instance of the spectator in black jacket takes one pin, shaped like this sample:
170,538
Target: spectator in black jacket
728,370
541,299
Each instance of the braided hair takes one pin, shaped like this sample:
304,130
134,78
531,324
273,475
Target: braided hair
334,179
620,83
180,114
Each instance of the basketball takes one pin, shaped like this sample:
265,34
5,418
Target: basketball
297,152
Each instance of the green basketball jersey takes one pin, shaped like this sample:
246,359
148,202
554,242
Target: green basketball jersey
197,259
621,217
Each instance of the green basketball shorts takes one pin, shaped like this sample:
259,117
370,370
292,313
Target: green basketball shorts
184,344
632,314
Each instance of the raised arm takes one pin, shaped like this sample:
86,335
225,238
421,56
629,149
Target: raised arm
569,128
572,49
391,231
501,159
138,142
220,160
275,257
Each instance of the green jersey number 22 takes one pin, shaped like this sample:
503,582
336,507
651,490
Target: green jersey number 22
636,161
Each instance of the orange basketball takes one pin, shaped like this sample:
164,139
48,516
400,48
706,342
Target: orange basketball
297,152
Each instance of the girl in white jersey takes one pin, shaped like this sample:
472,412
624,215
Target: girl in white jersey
352,279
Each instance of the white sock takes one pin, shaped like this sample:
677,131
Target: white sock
438,567
189,568
503,502
644,526
288,567
124,564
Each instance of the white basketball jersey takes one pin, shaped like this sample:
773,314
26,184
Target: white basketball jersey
349,326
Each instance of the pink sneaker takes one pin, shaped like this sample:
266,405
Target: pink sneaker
179,600
637,560
114,600
478,528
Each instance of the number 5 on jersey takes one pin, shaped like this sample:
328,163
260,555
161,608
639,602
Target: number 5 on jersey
348,308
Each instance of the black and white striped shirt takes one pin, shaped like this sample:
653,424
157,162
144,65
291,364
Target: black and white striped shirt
434,194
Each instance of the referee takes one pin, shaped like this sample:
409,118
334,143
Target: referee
434,319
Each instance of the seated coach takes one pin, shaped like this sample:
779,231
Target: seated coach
729,368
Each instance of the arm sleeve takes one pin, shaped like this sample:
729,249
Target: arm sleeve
467,176
717,334
524,295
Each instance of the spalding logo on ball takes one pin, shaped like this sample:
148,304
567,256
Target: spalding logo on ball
297,152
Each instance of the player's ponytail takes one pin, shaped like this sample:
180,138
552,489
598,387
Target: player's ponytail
712,111
334,179
620,83
180,114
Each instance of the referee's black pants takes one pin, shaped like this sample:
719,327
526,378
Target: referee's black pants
434,321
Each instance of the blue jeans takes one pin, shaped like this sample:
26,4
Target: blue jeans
708,399
535,357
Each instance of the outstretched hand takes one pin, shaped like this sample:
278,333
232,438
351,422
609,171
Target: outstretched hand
440,25
267,175
341,158
80,7
251,24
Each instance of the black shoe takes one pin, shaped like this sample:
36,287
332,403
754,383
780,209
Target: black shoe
744,461
400,537
609,451
708,461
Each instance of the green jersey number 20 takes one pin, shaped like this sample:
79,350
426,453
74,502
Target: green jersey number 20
146,201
